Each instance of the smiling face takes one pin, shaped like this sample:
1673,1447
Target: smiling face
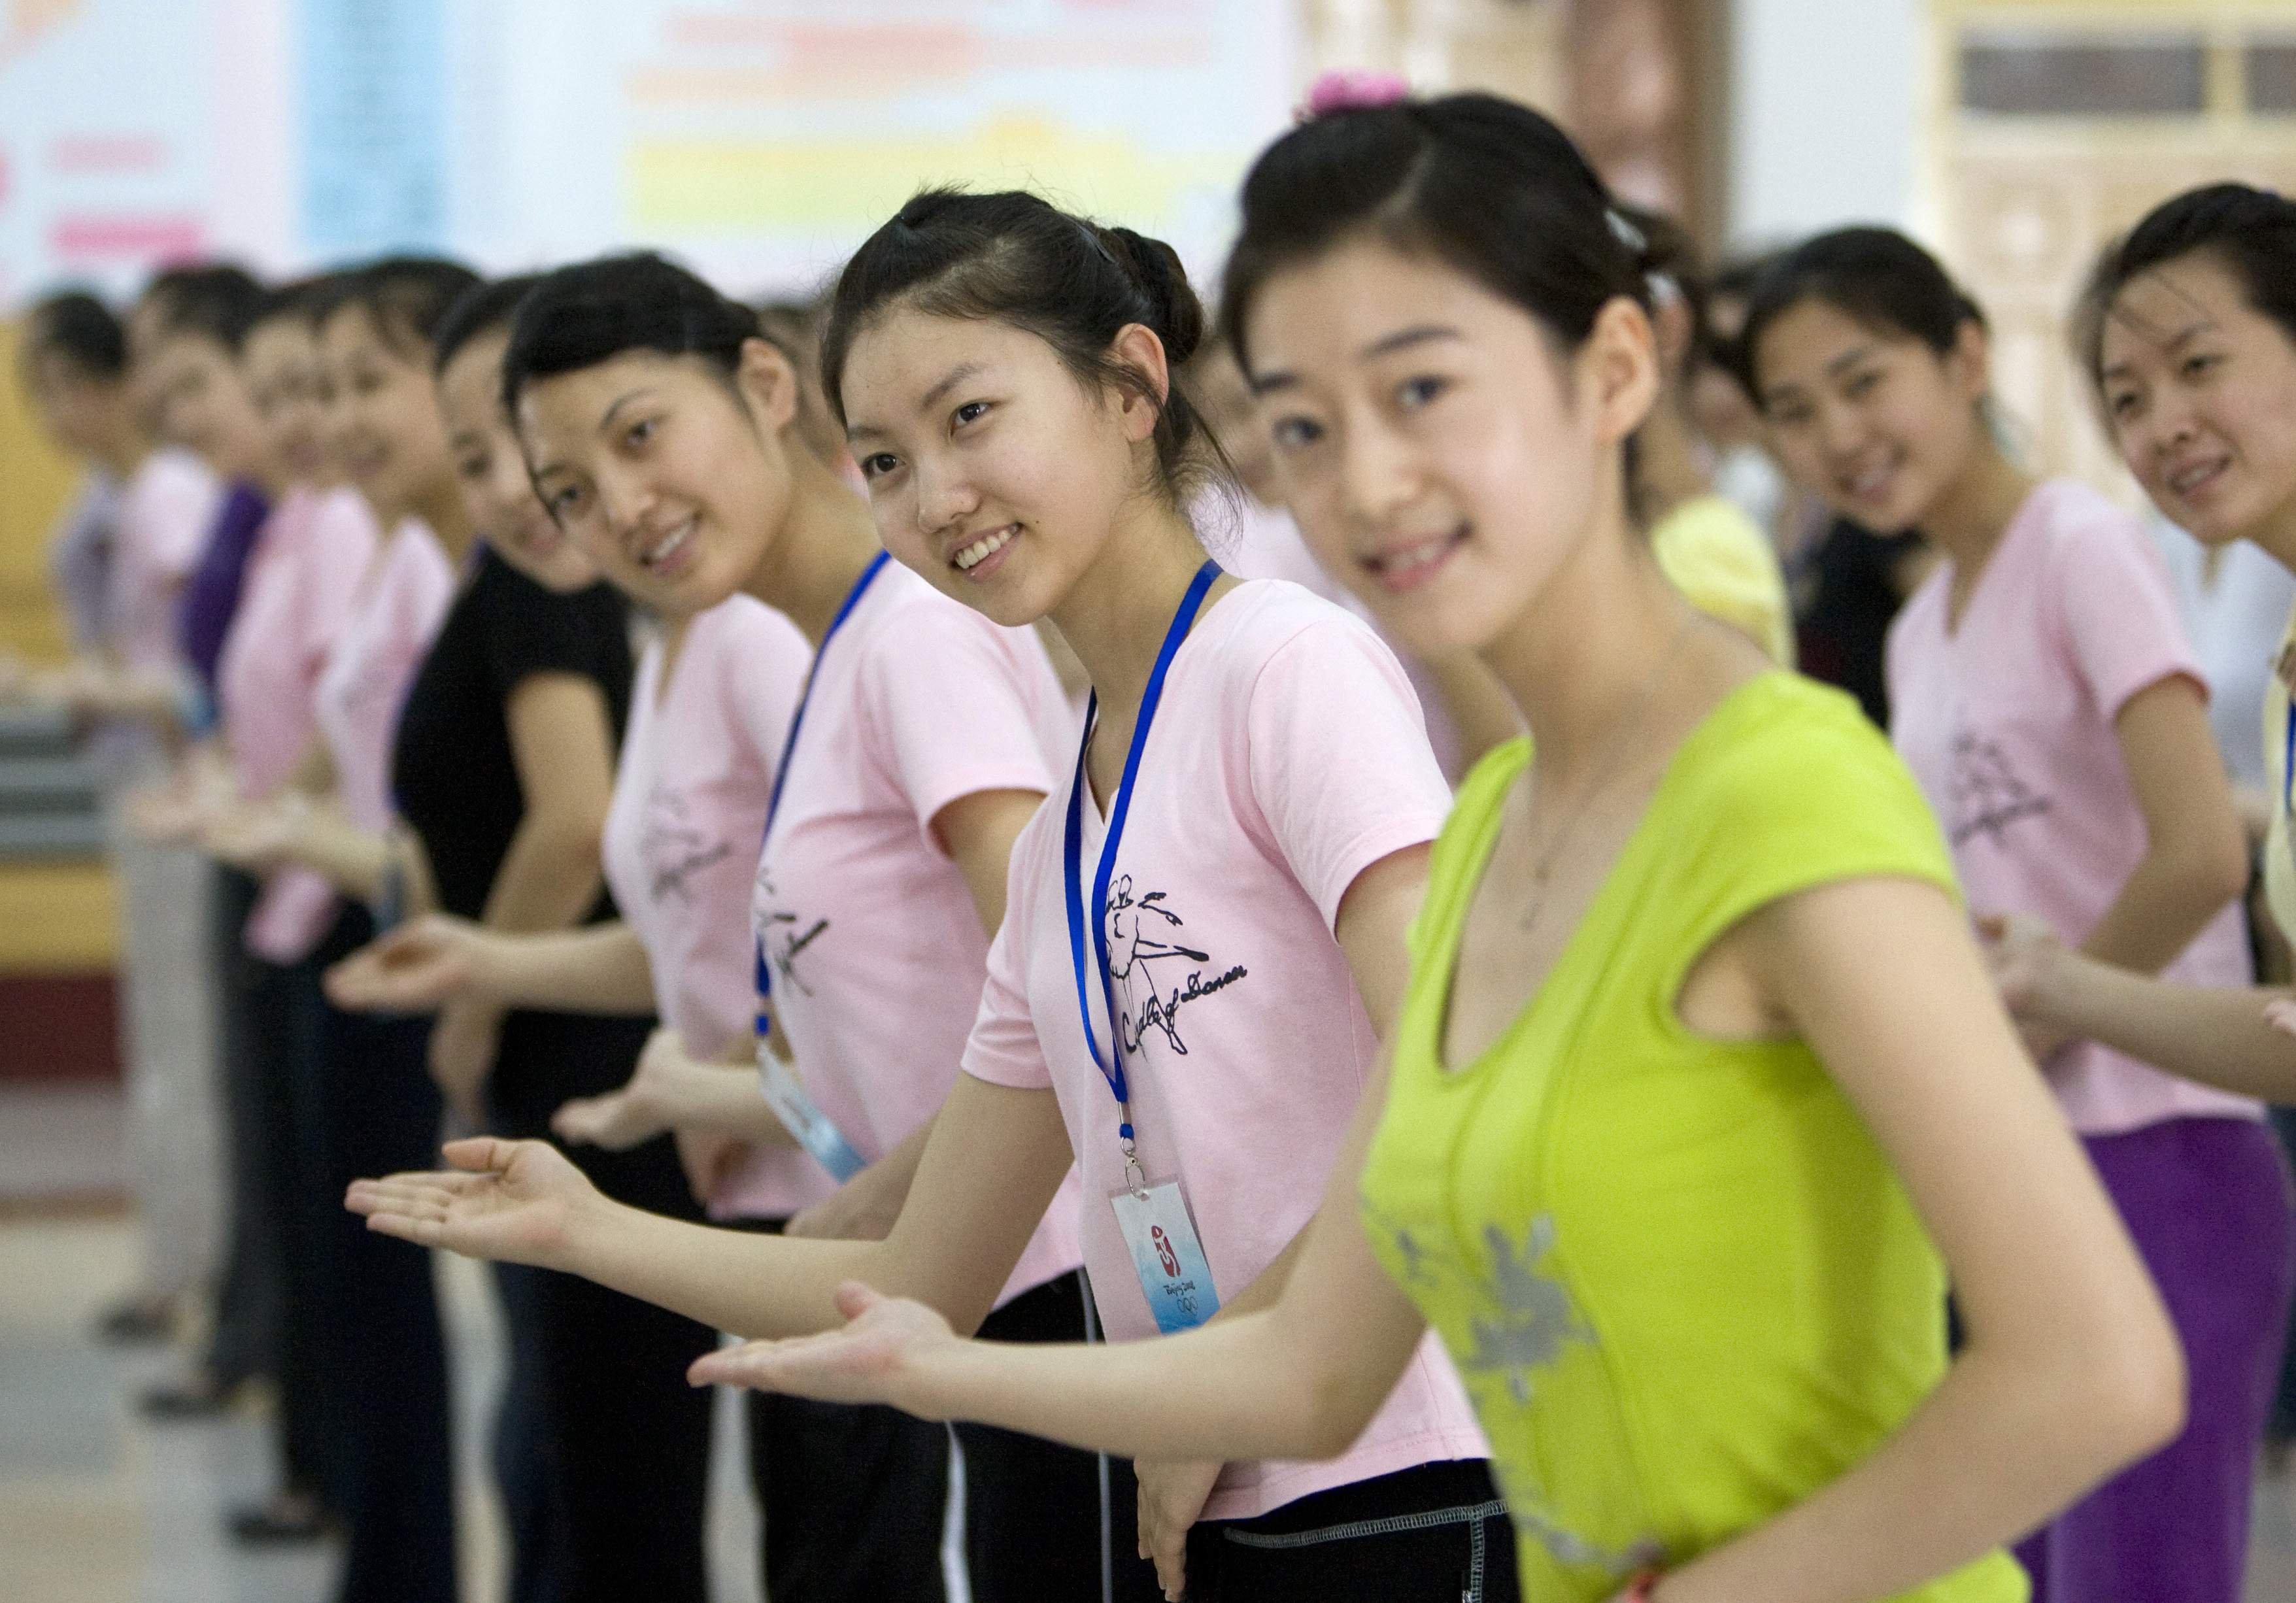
280,362
205,404
992,470
383,423
1442,457
492,472
674,482
1875,422
2199,389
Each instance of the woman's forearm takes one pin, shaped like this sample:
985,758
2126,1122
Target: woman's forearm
601,969
1233,1388
2219,1037
2163,904
1997,1448
749,1284
721,1099
548,879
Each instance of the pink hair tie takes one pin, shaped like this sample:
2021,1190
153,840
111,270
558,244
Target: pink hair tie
1350,91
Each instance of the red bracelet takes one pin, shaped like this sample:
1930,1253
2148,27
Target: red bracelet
1642,1589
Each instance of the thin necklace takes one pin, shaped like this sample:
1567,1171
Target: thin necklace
1543,869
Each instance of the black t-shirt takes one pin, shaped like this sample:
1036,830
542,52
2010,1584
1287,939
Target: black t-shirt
457,781
1846,596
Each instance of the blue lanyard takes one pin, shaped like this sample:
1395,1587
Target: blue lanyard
2288,766
1072,850
789,743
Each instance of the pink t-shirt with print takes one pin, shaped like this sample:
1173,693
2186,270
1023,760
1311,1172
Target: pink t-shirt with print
681,847
876,950
302,584
2007,722
166,514
395,619
1288,757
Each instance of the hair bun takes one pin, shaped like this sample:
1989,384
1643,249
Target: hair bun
1179,315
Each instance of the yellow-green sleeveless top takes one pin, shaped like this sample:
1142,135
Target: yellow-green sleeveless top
1680,1279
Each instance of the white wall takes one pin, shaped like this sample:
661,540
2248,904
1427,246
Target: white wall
1825,115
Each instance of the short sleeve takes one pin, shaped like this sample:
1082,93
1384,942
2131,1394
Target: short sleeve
1340,764
931,657
761,665
2119,609
1809,794
531,631
1723,565
1003,1048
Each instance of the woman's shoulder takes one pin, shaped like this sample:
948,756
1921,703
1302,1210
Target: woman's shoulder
1786,766
743,628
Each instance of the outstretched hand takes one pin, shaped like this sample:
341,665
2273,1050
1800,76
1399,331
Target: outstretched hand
256,837
2025,955
876,1357
642,1110
518,1202
418,968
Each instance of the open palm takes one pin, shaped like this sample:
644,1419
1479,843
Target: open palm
514,1201
872,1358
417,968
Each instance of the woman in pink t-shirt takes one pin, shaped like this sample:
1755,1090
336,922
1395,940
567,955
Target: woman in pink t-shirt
1002,368
2044,695
892,822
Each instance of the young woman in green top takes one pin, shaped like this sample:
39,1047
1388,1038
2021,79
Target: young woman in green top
1664,1147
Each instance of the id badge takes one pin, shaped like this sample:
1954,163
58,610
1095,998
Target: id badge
814,1130
1167,1256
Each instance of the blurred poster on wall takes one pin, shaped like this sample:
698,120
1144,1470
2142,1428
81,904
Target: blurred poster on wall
760,139
763,139
106,132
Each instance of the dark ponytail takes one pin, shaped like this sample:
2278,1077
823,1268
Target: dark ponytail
1013,257
2251,232
1489,188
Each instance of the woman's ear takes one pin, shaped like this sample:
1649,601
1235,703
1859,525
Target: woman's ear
769,383
1970,363
1618,369
1137,347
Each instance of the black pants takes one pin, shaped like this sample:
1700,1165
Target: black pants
628,1438
854,1499
381,1333
525,1457
281,1032
250,1309
1033,1532
1434,1535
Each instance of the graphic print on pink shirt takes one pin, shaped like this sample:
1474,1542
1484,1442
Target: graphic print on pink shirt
1288,757
2007,722
876,950
681,839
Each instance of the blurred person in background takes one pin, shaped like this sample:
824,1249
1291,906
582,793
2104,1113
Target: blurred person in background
129,688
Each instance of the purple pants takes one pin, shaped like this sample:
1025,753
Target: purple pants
2207,1200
